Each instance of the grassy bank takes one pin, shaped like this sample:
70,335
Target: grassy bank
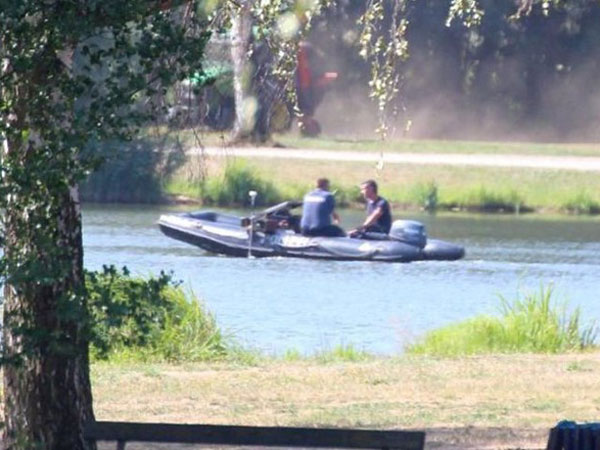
345,387
407,186
512,390
333,143
145,170
534,323
345,143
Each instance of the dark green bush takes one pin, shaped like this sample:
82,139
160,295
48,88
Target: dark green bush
148,319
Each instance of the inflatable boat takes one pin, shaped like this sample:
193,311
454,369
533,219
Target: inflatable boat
274,232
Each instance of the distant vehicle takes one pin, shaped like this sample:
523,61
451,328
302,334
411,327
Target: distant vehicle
274,232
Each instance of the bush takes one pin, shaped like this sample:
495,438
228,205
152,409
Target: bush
148,319
529,325
233,187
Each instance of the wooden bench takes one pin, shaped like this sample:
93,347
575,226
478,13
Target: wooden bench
124,432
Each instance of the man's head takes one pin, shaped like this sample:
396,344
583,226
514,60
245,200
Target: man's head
369,189
323,183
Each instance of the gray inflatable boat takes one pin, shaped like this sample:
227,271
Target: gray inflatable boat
274,232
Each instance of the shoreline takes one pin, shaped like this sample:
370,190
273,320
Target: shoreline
182,200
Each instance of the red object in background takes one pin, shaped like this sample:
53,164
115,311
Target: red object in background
310,87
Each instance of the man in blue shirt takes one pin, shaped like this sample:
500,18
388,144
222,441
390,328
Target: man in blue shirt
379,216
318,211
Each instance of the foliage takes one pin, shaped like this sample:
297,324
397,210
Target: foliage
71,73
124,311
582,203
386,48
189,333
425,195
532,324
134,171
149,319
487,200
233,187
342,353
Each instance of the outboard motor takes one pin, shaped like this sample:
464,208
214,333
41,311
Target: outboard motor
410,232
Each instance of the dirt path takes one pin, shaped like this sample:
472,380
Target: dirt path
576,163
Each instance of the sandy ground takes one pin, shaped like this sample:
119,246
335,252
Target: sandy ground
576,163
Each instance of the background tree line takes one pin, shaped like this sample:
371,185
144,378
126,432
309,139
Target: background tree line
506,77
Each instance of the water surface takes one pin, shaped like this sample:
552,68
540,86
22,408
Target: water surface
277,304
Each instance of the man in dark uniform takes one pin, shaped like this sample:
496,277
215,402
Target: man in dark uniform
318,210
379,216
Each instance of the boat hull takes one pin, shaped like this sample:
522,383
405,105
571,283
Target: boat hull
224,234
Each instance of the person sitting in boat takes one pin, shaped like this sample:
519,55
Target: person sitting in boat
379,216
318,212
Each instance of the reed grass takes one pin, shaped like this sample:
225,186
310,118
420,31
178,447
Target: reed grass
531,324
414,187
188,334
232,187
582,202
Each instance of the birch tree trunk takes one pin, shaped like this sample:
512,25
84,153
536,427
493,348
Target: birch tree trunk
245,103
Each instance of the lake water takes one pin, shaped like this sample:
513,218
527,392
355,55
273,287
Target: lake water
284,303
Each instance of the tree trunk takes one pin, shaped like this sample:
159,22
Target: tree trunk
245,104
47,391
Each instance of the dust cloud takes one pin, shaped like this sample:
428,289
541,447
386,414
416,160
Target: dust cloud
562,105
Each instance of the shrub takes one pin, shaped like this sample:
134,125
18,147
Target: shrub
529,325
149,319
233,187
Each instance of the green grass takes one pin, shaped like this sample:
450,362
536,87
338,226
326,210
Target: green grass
582,202
338,354
342,353
229,187
409,186
188,333
438,146
532,324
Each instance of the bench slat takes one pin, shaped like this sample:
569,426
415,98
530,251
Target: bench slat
257,436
